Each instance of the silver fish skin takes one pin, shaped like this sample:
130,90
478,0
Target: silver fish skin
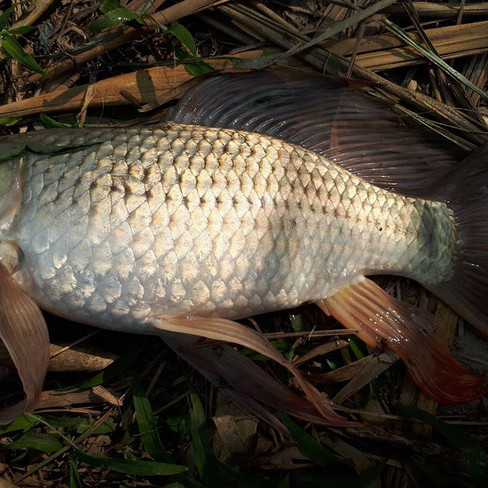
182,220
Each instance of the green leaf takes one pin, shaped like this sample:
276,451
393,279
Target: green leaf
74,477
16,51
5,17
22,423
355,346
296,322
20,31
9,120
117,368
147,422
14,149
37,440
50,123
79,424
198,68
56,150
11,150
127,466
311,447
108,5
114,17
199,440
184,36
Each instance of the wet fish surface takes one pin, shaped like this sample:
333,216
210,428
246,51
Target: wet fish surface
130,228
187,220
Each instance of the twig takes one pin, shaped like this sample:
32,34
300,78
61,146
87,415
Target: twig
168,15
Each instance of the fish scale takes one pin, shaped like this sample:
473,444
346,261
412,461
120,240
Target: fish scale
188,220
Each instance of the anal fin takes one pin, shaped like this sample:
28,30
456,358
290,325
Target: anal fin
24,333
410,332
239,373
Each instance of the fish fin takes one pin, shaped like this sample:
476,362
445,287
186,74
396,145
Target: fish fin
409,332
467,291
24,333
241,379
329,117
236,333
469,181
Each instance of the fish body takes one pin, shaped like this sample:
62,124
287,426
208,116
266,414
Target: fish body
253,198
187,220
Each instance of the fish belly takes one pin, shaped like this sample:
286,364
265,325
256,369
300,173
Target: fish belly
194,221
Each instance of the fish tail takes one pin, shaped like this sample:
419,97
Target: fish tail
467,291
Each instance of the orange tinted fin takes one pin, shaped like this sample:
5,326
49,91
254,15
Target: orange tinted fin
236,333
330,117
24,333
408,331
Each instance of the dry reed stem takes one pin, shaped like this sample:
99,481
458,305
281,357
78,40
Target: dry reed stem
149,87
386,51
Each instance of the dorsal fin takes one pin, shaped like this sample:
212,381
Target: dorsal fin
330,117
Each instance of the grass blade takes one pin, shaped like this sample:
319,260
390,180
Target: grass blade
309,446
338,27
434,59
5,17
37,440
147,422
74,477
128,466
16,51
50,123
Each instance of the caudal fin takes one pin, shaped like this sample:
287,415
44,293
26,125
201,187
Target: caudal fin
467,291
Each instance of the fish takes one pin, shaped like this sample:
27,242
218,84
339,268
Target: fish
260,192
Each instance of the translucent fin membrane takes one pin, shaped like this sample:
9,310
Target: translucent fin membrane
328,117
241,375
467,291
242,380
408,331
24,333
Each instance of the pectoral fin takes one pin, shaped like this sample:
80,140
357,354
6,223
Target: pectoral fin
410,332
247,378
24,333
